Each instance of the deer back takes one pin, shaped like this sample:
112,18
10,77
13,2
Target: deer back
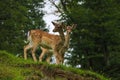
44,39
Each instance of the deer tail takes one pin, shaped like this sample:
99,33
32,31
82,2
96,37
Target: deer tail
29,35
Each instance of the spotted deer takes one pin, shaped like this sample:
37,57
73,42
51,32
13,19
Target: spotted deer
45,40
64,48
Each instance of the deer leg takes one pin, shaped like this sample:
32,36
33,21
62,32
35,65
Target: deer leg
57,60
62,52
62,58
25,50
49,57
33,53
57,57
42,54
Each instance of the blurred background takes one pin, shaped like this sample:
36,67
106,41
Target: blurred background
94,44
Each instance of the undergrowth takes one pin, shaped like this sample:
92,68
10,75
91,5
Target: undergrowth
14,68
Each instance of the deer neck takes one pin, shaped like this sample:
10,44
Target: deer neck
66,44
67,39
62,36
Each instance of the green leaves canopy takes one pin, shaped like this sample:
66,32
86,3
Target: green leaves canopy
16,18
96,40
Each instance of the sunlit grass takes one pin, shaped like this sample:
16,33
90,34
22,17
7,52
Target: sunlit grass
10,73
80,71
14,68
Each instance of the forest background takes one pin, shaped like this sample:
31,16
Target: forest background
95,44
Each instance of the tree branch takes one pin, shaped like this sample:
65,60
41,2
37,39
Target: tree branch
63,10
58,8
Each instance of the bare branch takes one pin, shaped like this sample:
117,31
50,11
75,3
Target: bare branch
58,8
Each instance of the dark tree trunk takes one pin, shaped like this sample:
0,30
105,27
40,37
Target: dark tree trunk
106,55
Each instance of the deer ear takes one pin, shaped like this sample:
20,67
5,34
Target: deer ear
53,23
74,26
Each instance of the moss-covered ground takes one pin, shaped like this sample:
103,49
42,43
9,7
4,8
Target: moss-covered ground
14,68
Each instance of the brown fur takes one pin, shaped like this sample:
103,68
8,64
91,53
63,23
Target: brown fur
45,40
65,47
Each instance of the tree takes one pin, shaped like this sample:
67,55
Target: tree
96,39
16,18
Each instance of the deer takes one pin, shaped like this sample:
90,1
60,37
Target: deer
48,52
45,40
64,48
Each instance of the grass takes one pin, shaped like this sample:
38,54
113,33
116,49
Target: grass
80,71
10,73
13,68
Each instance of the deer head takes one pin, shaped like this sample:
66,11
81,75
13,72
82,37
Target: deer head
58,27
70,28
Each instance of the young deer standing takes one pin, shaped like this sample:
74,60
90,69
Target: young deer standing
66,44
64,48
45,40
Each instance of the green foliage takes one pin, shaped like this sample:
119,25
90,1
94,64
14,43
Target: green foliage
16,18
13,68
9,73
114,71
96,40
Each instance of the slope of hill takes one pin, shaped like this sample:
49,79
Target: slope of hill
13,68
